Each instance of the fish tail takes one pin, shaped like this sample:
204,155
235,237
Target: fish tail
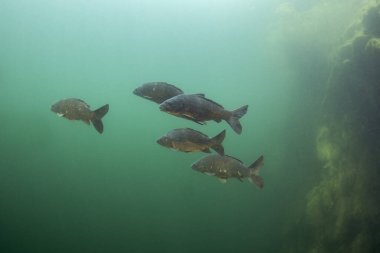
98,115
217,143
254,172
233,120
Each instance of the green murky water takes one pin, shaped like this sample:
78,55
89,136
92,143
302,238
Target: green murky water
66,188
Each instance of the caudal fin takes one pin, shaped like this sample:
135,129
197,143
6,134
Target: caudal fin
217,143
97,119
254,172
233,120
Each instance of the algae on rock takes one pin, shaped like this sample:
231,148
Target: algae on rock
341,211
344,208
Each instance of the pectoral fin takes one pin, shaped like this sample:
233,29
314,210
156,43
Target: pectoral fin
207,150
222,180
60,114
192,119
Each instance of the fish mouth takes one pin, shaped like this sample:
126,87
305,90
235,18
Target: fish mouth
194,166
164,141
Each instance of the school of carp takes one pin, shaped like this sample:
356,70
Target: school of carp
194,107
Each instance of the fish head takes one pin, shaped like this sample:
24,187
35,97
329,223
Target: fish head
172,105
165,141
55,108
138,91
199,166
145,92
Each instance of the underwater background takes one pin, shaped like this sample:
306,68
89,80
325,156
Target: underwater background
307,69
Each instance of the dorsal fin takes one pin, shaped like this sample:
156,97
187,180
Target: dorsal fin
234,158
80,100
209,100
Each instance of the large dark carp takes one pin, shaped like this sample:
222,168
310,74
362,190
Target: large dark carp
198,108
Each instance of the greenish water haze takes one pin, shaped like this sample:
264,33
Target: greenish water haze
65,188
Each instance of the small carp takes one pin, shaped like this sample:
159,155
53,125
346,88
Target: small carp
76,109
189,140
225,167
157,91
198,108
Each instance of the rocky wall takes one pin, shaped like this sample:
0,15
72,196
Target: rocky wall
343,209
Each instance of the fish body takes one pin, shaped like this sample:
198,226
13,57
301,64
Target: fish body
225,167
157,91
77,109
189,140
198,108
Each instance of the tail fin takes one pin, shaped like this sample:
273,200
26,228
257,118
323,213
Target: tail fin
216,143
233,120
254,172
97,119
